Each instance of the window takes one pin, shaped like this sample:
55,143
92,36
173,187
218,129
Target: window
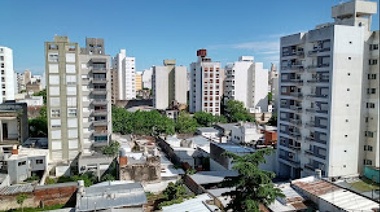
349,58
370,105
71,90
71,79
55,113
368,134
367,162
55,123
366,119
53,57
22,163
39,161
72,112
70,68
54,79
71,101
373,47
371,76
54,91
1,58
372,62
371,90
55,102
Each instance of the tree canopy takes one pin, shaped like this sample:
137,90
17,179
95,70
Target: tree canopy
253,186
235,111
141,122
41,93
185,123
207,119
38,126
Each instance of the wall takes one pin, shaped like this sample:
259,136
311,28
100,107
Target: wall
150,171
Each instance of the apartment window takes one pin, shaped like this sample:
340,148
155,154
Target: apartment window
2,65
71,112
367,162
373,47
366,119
373,62
371,76
349,58
54,79
1,58
55,113
71,79
55,123
55,101
53,57
71,90
370,105
371,90
71,101
368,134
369,148
39,161
22,163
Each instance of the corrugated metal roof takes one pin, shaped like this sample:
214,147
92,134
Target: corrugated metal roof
15,189
197,204
208,177
110,195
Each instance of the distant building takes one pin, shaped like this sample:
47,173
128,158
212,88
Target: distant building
329,101
246,81
7,89
138,82
206,84
147,78
125,70
169,83
246,133
273,84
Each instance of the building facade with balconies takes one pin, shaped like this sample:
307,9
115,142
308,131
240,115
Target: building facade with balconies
323,76
125,70
7,75
78,97
206,84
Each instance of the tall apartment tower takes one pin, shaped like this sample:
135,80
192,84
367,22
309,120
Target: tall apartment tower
206,84
125,68
169,83
273,84
329,96
138,81
7,89
78,97
247,81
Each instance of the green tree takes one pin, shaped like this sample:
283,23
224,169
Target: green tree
41,93
185,123
235,111
273,120
112,149
253,186
38,126
204,119
21,199
107,177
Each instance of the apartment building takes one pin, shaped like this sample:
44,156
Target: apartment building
147,78
78,97
247,81
169,83
7,89
206,84
273,84
329,101
125,69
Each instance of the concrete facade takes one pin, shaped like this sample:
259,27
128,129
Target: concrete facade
206,84
138,81
7,89
246,81
125,68
78,97
147,78
14,123
169,83
323,105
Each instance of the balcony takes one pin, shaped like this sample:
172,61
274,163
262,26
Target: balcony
309,167
315,110
297,122
318,96
99,102
312,153
99,112
319,80
318,50
99,80
290,160
296,108
100,123
99,91
98,70
313,68
312,139
294,67
100,133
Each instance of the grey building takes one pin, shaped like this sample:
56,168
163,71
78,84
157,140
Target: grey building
14,123
78,97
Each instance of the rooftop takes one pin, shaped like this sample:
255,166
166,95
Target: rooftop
28,152
207,177
234,148
16,189
196,204
340,198
111,195
207,130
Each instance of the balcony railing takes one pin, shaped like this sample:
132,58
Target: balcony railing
290,160
99,91
98,70
99,112
99,102
315,110
315,51
319,80
310,167
312,139
313,95
100,123
311,152
99,80
297,122
297,108
100,133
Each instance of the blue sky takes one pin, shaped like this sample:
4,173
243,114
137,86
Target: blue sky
156,30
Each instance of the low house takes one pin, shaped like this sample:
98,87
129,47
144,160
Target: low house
14,123
96,163
111,195
246,133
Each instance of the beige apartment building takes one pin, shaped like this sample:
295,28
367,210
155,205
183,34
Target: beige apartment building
78,97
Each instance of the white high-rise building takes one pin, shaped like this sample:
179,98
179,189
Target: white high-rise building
273,84
7,89
206,84
329,96
169,83
125,69
247,81
147,78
